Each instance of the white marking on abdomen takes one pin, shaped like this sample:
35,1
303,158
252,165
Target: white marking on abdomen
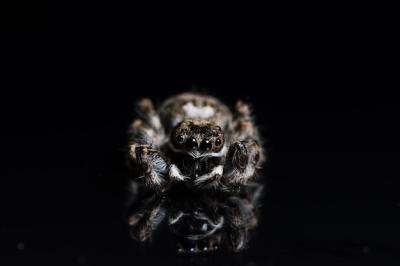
193,111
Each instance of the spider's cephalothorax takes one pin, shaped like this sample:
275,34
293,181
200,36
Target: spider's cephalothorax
194,140
197,138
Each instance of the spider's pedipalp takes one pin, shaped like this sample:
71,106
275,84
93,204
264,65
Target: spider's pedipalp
176,174
152,165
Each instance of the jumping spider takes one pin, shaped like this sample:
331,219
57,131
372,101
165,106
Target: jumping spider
196,141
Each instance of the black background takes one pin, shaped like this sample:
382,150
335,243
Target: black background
321,97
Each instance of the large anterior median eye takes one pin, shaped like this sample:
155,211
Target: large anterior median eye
191,143
206,145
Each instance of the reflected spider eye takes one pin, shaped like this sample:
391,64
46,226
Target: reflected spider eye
179,138
218,142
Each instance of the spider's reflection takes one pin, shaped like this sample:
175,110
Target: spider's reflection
201,222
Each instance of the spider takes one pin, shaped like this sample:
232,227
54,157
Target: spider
196,141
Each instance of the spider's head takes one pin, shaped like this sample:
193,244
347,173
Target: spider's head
197,137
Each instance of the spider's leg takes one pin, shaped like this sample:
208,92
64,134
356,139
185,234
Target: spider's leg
151,164
242,161
146,136
147,129
145,109
243,123
245,152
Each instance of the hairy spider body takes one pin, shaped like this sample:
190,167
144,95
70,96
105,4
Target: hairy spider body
195,140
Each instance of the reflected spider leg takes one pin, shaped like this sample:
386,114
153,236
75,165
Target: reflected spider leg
144,220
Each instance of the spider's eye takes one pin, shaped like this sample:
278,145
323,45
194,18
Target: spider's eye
179,138
218,142
206,145
191,143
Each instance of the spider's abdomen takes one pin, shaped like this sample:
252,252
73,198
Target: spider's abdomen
190,106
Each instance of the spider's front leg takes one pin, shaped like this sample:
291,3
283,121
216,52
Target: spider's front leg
151,165
241,161
245,152
146,136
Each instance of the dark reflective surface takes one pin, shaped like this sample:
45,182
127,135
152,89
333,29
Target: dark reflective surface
331,192
198,221
67,204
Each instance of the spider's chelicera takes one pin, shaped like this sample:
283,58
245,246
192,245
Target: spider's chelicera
196,141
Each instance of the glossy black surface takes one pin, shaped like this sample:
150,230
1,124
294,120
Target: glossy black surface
331,190
198,221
